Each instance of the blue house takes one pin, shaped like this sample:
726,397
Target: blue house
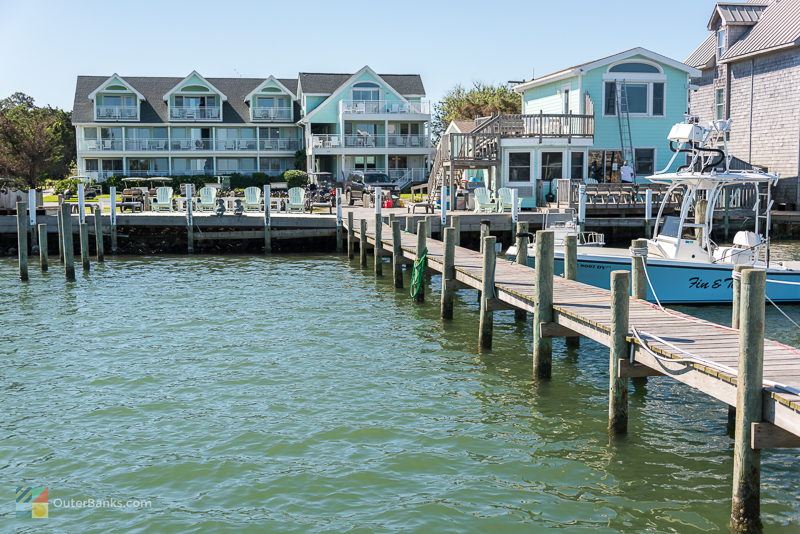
580,123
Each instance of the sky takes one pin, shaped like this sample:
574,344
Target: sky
44,45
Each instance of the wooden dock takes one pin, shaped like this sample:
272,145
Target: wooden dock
582,310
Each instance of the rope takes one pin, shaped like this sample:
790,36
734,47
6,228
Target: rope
784,282
641,252
418,273
737,275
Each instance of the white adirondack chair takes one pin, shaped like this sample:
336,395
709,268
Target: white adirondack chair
504,199
297,200
163,200
208,198
252,199
483,202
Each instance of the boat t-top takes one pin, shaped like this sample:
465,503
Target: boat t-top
684,264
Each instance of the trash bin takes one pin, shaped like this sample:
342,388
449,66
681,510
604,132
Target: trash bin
461,200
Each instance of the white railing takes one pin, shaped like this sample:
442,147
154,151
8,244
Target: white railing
191,144
193,113
237,144
100,144
384,106
287,144
401,177
369,141
272,114
117,112
146,144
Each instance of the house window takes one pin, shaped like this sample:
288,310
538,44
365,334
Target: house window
91,164
719,104
611,98
576,165
642,98
366,91
645,161
636,67
552,166
721,42
519,167
364,162
636,94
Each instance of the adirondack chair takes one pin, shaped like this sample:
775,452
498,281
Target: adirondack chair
252,199
504,199
208,198
163,200
483,203
297,200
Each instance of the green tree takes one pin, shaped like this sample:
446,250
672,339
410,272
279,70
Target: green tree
478,101
36,143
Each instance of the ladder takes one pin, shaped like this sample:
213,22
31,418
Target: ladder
624,120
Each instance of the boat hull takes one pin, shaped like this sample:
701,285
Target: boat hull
677,282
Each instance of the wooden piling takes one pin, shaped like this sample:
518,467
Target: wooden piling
448,273
362,243
543,307
42,228
351,236
22,239
66,242
397,255
113,219
487,293
638,266
422,245
190,222
378,250
60,222
618,349
428,226
410,227
746,503
522,259
98,235
455,223
484,232
83,230
737,291
339,229
571,273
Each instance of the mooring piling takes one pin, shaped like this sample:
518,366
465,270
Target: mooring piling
571,273
377,251
189,191
455,223
362,243
422,246
737,291
339,229
22,239
397,255
448,273
746,503
113,219
618,350
98,235
32,221
485,232
60,223
522,259
410,227
351,236
543,307
486,325
66,242
83,230
638,266
42,229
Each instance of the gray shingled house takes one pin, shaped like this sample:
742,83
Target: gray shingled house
750,66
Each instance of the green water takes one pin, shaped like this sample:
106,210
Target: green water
299,394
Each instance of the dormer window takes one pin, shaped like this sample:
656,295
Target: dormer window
116,100
271,102
366,91
722,42
195,99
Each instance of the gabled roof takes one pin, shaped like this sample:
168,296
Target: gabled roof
732,13
154,108
778,27
464,126
194,73
705,53
321,83
121,80
260,87
583,67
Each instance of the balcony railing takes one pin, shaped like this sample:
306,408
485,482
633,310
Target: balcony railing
272,114
236,144
384,107
369,141
401,177
100,144
117,112
289,144
191,144
146,144
193,113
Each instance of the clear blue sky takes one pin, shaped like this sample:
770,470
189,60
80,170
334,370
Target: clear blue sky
45,44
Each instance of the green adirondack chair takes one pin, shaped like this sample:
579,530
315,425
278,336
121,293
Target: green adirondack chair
297,200
252,199
207,200
163,200
483,202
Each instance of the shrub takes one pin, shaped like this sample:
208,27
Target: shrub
295,178
68,185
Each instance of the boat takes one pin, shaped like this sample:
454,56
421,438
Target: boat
683,264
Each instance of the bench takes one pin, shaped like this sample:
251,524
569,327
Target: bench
427,206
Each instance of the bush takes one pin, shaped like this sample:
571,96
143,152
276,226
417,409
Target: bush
295,178
257,179
68,185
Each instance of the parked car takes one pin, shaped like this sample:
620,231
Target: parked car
361,184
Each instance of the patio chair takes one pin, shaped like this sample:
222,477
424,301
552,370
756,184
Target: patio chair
483,202
252,199
504,199
163,200
207,200
297,200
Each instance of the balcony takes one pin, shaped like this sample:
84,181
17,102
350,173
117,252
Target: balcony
272,114
117,113
278,145
191,144
370,141
236,144
146,145
100,145
384,107
194,113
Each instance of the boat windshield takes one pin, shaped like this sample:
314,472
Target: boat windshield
671,227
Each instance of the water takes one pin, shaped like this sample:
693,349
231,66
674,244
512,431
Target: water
299,394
